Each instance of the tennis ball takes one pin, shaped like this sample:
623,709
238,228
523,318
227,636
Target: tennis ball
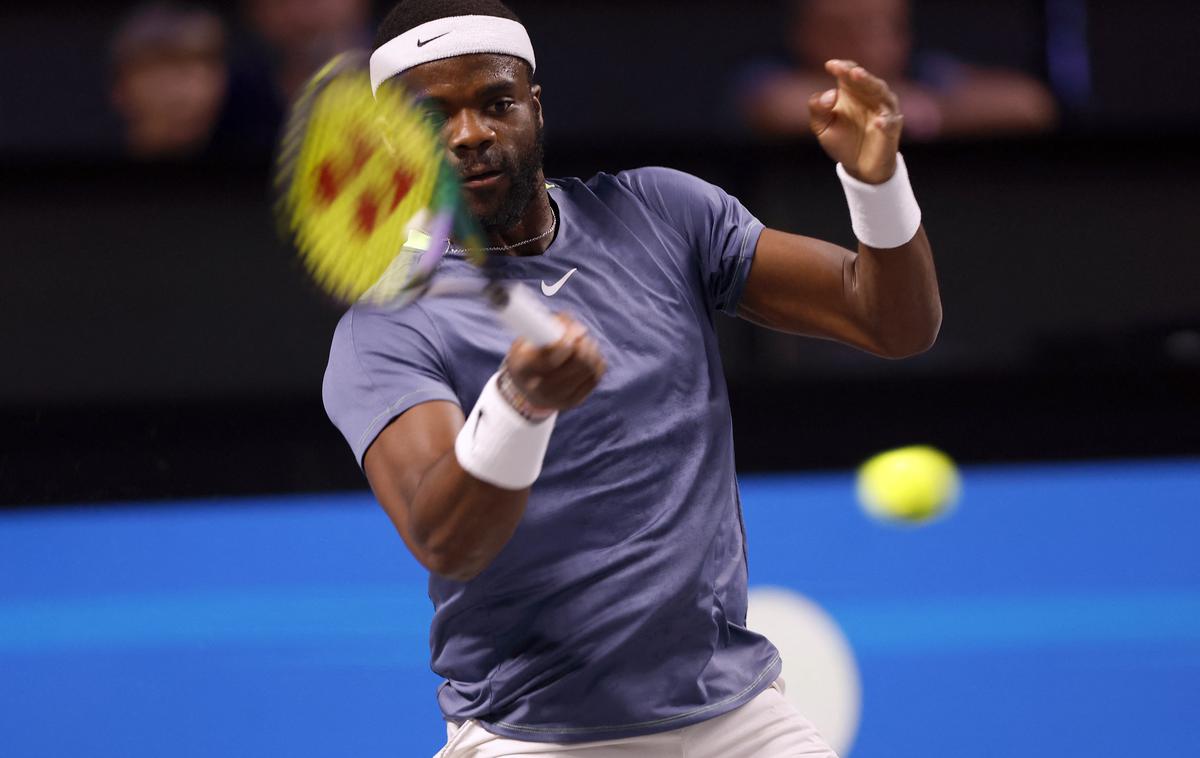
910,484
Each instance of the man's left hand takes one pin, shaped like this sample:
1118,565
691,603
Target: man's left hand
858,123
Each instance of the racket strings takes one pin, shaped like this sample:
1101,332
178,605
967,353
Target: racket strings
355,172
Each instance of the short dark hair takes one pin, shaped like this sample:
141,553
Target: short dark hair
409,14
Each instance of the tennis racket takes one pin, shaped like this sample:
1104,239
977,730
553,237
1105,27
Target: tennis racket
367,198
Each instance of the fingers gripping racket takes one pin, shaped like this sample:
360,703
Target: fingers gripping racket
368,199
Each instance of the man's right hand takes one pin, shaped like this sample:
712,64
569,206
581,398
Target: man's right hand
453,523
560,375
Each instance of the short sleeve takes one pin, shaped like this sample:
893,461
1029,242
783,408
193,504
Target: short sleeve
721,231
380,365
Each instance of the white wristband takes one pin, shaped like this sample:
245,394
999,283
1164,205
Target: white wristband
498,445
883,215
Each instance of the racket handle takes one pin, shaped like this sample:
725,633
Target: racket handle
521,311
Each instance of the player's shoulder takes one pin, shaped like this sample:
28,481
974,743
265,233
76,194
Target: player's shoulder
643,181
367,328
656,175
369,340
665,191
344,346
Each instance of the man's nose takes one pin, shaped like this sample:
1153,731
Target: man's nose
468,133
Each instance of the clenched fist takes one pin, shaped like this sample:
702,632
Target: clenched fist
559,375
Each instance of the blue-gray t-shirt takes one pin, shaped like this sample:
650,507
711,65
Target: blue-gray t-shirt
618,608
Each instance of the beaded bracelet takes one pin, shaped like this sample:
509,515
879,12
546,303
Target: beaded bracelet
517,399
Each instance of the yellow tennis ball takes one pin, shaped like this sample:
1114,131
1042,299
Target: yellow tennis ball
910,484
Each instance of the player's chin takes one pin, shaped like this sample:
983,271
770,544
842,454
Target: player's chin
487,199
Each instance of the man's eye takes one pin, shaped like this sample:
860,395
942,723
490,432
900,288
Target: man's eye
503,106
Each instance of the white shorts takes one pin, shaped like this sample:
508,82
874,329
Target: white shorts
766,727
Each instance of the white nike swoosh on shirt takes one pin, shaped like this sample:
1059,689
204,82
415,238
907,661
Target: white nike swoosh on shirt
551,290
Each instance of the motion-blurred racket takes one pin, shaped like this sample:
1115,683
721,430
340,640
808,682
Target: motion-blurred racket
368,199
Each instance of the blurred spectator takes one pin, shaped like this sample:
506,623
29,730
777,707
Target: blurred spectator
940,95
287,41
304,34
169,79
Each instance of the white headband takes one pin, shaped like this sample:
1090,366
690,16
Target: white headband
449,37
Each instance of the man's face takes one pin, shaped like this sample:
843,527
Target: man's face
491,121
170,100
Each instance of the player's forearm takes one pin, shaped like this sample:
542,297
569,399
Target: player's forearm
468,504
891,283
456,488
896,293
457,524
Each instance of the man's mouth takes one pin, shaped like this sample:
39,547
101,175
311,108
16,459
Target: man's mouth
479,179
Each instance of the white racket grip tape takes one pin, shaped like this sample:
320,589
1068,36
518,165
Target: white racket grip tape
527,316
883,215
499,446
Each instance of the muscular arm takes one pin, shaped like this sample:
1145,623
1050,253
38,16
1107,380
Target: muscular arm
453,523
883,301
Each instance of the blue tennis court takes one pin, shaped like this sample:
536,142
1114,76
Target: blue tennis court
1056,612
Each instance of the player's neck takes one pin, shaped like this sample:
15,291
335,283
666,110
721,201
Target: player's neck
538,219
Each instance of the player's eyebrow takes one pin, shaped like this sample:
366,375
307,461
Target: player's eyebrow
486,92
489,91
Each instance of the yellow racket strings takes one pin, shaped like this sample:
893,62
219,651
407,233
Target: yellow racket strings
362,170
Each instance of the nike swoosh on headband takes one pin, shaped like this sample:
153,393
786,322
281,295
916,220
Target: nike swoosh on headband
552,290
424,42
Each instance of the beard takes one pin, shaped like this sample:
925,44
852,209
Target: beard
524,186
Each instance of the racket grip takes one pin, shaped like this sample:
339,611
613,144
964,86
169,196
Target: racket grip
521,311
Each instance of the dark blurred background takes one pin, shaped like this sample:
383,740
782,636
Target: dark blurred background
159,342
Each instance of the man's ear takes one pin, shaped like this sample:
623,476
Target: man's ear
535,92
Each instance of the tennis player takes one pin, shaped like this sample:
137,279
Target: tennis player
576,504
